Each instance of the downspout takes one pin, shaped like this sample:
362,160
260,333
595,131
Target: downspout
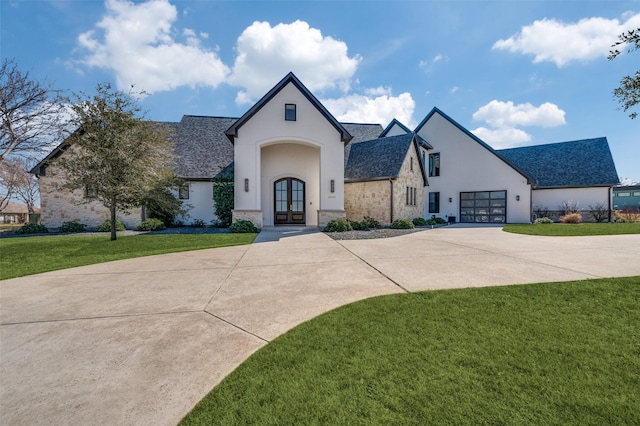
609,202
391,203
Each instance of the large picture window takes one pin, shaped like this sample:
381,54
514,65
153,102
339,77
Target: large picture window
434,164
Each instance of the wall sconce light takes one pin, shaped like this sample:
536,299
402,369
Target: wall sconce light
517,198
333,186
450,199
246,185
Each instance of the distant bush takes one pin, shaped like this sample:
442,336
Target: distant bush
402,224
338,225
628,214
599,212
437,220
151,224
198,223
571,218
243,226
542,220
73,227
106,226
32,228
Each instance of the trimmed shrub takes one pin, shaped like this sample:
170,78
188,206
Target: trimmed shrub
402,224
338,225
243,226
106,226
73,227
371,222
437,220
359,226
198,223
32,228
151,224
420,221
542,220
571,218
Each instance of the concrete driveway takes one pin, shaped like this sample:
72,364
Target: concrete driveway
140,341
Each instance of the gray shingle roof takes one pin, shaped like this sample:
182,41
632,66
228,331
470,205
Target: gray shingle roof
377,158
204,150
202,147
586,162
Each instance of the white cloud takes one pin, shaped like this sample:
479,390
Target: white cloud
506,114
136,41
453,90
265,54
505,117
380,109
502,138
555,41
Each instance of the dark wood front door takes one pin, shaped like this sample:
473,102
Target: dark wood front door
289,201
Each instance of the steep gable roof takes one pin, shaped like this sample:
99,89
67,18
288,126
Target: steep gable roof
380,158
586,162
391,125
232,132
530,179
201,146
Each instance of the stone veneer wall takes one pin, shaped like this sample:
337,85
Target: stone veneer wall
410,178
254,216
59,206
324,216
368,199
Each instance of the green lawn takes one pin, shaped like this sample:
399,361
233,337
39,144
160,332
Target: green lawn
543,354
32,255
575,230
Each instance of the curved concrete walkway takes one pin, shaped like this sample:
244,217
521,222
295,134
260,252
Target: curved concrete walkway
140,341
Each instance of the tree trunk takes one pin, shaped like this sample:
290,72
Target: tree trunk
113,220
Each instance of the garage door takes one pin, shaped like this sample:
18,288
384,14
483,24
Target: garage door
483,207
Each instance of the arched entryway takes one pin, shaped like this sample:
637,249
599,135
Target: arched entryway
289,201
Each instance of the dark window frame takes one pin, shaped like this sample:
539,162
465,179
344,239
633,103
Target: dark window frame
434,164
290,112
434,202
183,188
90,191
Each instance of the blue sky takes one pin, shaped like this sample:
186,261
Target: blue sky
515,73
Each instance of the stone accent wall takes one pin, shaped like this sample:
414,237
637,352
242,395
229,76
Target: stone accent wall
368,199
59,206
408,178
373,198
254,216
324,216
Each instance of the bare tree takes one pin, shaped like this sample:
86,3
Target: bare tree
18,184
30,113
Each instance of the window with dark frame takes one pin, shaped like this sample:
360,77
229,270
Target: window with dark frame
183,191
411,196
434,164
90,191
434,202
290,112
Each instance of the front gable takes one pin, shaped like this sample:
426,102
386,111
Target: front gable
289,91
395,128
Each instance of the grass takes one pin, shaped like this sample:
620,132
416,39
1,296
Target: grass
561,353
33,255
575,230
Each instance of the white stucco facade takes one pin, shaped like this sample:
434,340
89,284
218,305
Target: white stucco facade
199,205
468,166
268,148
